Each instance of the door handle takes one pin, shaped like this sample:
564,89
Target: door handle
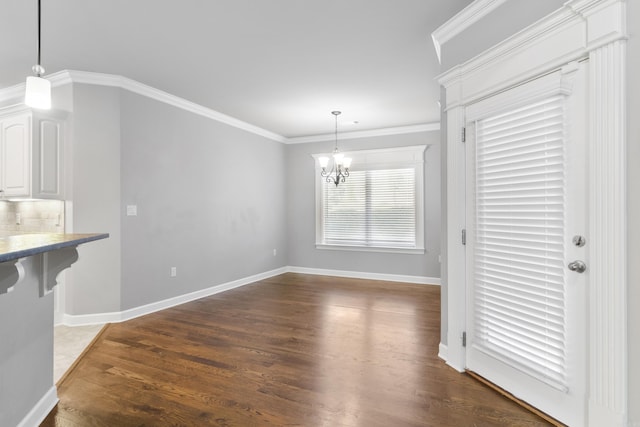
577,266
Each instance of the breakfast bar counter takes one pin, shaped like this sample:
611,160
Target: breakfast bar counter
21,245
29,269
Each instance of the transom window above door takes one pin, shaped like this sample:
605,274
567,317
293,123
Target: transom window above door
380,207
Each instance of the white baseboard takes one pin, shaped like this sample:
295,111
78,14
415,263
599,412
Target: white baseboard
442,351
121,316
40,411
423,280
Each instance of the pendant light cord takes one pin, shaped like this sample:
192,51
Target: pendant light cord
39,27
336,114
336,133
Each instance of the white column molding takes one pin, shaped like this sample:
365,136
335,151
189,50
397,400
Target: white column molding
456,217
607,232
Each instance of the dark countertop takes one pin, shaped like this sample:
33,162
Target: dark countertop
24,245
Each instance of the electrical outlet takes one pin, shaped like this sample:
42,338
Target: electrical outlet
174,271
18,218
275,252
132,210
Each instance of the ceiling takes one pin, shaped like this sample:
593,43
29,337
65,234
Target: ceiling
282,65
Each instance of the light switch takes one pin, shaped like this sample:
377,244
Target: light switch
132,210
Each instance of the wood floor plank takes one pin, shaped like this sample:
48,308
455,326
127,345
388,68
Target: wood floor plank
292,350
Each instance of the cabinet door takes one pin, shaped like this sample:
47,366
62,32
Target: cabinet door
15,166
47,159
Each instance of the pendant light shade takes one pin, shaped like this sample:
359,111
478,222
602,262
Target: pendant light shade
38,89
38,93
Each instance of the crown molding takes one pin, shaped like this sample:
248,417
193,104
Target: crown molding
461,21
64,77
428,127
167,98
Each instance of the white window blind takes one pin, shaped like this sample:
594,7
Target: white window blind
519,243
373,208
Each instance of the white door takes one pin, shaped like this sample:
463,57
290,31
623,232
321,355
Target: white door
526,201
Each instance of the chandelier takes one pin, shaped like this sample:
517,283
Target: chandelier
38,89
340,167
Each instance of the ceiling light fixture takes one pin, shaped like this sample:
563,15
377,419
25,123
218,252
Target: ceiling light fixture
340,167
38,89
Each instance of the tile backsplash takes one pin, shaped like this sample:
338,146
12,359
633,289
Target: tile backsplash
32,216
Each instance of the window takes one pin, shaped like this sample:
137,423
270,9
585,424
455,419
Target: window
379,207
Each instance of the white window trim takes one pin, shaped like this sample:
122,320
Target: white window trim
410,156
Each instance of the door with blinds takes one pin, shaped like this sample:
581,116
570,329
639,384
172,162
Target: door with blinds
526,237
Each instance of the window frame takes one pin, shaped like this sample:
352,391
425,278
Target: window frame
377,159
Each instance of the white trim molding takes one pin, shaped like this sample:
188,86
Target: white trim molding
456,222
156,94
461,21
111,80
581,30
607,232
421,280
429,127
443,351
132,313
39,412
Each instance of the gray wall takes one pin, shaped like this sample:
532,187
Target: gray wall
506,20
93,186
210,199
26,346
210,202
301,210
633,178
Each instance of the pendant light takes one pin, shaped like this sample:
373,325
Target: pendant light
38,89
340,167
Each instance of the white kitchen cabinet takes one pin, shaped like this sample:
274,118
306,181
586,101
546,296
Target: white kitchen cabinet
15,156
47,158
31,155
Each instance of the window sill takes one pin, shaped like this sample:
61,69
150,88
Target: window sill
413,251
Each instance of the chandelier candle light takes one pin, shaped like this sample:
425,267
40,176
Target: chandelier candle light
340,167
38,89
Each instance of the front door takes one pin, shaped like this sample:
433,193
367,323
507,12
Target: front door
527,236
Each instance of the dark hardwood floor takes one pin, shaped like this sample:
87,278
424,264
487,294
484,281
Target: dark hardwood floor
293,350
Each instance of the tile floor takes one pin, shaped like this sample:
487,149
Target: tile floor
68,344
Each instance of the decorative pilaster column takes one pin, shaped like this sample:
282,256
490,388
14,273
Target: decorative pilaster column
608,224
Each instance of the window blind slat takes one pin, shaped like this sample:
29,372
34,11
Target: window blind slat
519,272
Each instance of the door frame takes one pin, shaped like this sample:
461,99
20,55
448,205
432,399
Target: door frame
593,29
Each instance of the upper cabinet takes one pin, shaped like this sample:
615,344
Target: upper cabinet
15,156
47,158
32,155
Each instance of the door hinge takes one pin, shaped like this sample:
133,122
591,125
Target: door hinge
464,339
464,134
464,236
